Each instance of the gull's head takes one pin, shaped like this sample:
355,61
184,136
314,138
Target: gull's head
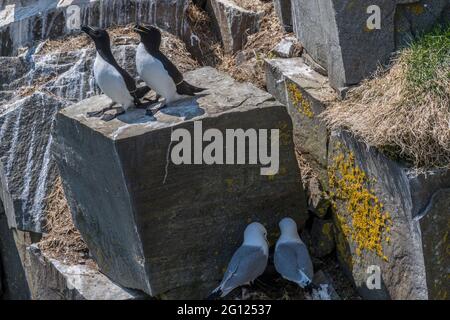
288,227
255,230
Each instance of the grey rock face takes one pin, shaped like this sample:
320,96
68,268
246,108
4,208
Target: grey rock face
233,23
434,230
2,213
284,12
1,280
12,68
336,34
54,280
412,19
287,48
416,203
38,20
26,168
165,229
310,28
321,238
14,283
327,292
306,94
318,199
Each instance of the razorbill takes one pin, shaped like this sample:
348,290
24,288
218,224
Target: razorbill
157,70
248,262
112,79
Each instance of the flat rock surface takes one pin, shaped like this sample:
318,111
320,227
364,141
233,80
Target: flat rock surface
55,280
222,96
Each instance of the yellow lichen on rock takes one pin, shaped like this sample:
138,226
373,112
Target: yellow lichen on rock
301,104
327,231
341,244
230,184
364,220
285,133
416,8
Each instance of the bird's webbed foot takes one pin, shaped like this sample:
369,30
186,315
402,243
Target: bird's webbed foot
111,116
99,113
151,111
152,101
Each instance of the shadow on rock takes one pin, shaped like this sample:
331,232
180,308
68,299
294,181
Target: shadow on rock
186,109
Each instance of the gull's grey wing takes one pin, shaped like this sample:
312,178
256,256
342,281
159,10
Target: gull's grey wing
290,258
247,263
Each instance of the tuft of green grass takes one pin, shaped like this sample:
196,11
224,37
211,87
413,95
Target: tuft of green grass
428,60
404,111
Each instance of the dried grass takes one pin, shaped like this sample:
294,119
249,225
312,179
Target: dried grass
308,174
62,240
66,44
405,111
248,64
251,5
176,51
34,87
211,52
119,35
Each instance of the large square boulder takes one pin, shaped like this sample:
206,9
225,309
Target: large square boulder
167,229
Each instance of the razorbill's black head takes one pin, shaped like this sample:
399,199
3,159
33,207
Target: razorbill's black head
150,37
99,36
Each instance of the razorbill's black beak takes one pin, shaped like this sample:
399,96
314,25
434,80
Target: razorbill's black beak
87,29
137,28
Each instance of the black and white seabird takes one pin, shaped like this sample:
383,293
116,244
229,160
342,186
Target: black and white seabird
112,79
157,70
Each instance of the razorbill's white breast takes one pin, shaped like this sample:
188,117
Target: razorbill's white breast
157,70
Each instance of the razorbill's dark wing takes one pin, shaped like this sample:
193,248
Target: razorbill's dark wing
183,88
136,93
